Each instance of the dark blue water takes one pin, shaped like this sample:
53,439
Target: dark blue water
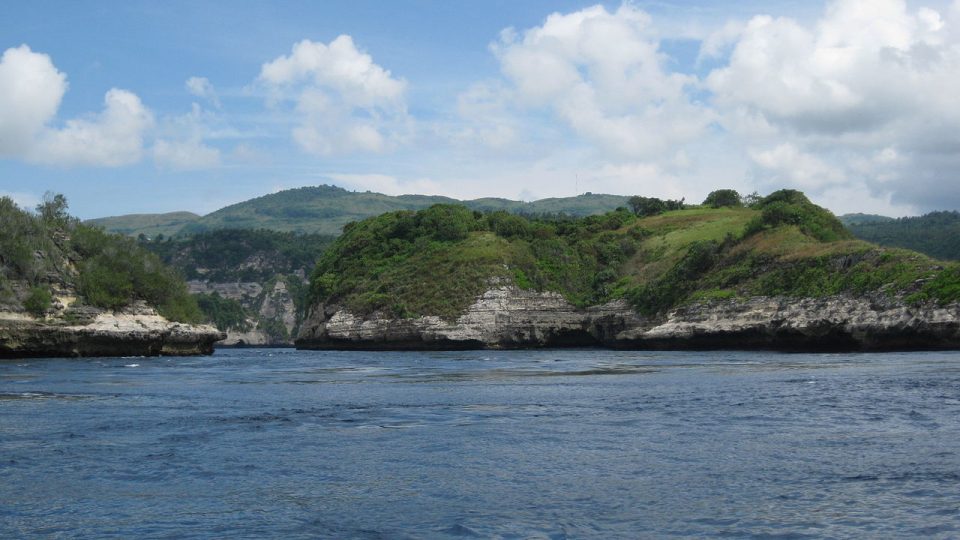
527,444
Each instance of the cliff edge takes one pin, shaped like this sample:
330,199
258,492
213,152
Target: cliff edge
509,318
68,289
776,272
129,333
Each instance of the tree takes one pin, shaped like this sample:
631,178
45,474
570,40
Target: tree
651,206
53,209
723,197
646,206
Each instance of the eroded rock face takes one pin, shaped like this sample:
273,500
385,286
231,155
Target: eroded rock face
507,317
132,333
276,307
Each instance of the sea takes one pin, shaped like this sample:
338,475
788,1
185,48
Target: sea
572,443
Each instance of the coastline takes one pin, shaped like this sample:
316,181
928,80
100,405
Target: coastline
142,333
512,318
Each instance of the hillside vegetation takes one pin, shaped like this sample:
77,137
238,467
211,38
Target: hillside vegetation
438,260
936,234
151,225
326,209
261,257
49,259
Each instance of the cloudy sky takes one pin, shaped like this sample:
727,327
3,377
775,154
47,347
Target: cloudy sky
132,107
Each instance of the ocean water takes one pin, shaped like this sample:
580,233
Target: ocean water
482,444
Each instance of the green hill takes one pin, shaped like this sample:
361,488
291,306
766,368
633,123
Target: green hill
936,234
859,219
150,225
326,209
438,260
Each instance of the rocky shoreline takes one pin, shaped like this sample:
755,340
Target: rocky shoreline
130,333
510,318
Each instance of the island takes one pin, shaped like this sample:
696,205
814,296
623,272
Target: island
775,272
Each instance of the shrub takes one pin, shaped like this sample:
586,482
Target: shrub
791,207
723,197
224,313
38,301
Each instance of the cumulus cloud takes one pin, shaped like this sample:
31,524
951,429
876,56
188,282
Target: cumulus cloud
31,89
603,75
785,164
827,104
343,101
111,138
30,92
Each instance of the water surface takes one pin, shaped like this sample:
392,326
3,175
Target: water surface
521,444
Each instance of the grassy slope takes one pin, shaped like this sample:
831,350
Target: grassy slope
655,262
150,225
326,209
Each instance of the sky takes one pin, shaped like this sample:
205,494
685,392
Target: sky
147,107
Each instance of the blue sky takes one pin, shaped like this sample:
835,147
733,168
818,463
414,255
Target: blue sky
141,107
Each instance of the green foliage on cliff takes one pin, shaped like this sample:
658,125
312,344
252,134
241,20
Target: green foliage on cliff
38,301
51,250
224,313
437,261
232,255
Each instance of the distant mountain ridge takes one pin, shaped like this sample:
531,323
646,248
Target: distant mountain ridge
859,219
936,234
149,224
326,209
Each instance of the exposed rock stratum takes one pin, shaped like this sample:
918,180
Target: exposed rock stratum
508,317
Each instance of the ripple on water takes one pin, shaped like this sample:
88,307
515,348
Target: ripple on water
508,444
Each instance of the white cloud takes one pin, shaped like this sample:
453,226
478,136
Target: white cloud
718,41
31,89
602,74
111,138
344,101
30,92
817,103
202,87
383,183
785,164
180,145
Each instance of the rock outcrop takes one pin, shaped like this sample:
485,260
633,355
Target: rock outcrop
134,332
273,318
508,317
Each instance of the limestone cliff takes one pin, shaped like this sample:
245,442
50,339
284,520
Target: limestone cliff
508,317
271,307
137,331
